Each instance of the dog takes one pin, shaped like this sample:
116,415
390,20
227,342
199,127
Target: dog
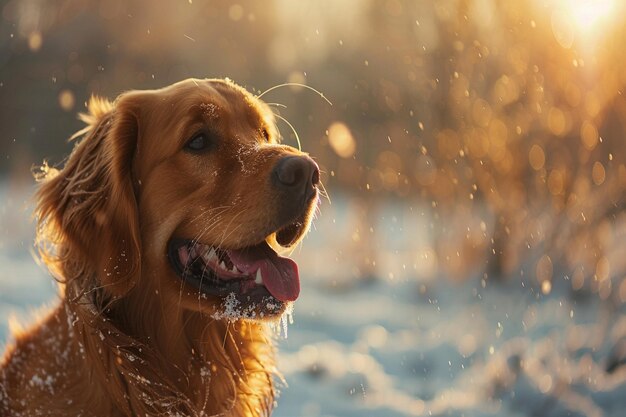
163,229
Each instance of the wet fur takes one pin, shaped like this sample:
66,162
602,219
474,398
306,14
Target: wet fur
125,339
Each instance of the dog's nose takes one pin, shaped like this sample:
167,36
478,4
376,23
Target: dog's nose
297,174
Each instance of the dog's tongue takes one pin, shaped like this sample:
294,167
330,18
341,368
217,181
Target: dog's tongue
280,275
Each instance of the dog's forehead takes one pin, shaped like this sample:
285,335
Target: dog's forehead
216,98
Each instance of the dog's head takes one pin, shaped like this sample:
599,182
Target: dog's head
185,193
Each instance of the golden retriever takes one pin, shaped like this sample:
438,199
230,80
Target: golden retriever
162,229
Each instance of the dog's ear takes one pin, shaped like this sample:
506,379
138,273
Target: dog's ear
88,227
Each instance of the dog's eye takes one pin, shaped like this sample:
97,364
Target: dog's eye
198,142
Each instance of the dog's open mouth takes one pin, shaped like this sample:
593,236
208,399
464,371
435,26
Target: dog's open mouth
252,273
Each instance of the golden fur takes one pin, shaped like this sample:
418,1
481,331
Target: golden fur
126,338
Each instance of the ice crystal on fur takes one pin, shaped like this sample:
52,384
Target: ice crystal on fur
231,310
283,322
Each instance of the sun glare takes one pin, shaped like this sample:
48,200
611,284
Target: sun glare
590,15
582,21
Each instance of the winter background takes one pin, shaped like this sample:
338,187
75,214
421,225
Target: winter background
470,258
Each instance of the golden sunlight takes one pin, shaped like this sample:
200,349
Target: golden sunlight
590,14
581,18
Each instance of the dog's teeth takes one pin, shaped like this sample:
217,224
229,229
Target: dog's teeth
259,277
183,254
209,255
223,265
235,270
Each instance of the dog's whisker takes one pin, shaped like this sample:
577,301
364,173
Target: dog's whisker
324,192
226,334
293,129
236,348
277,105
295,85
210,212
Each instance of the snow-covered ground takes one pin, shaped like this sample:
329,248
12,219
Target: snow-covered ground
402,345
